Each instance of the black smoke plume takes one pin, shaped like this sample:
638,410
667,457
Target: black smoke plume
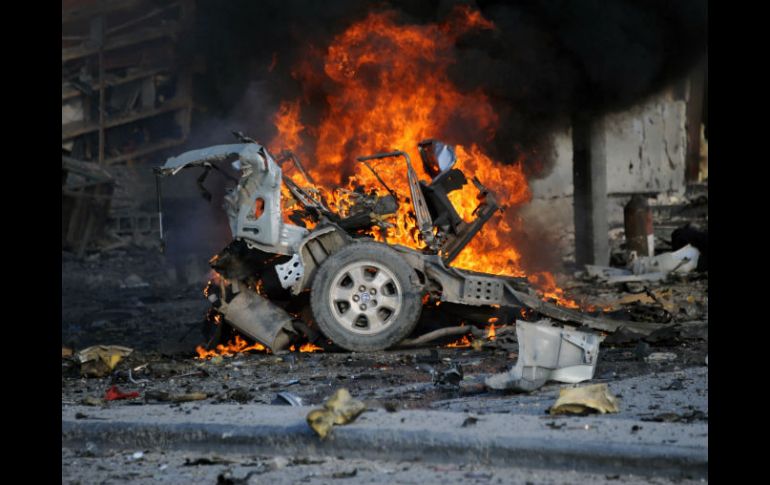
546,61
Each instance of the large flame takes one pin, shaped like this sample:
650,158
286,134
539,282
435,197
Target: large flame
235,346
491,334
306,347
546,283
238,346
389,89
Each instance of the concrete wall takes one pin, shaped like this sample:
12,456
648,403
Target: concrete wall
552,205
645,149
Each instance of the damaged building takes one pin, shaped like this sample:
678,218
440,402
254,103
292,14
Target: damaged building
126,97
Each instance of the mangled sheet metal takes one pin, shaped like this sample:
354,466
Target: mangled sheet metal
257,194
270,264
549,353
568,315
258,318
257,224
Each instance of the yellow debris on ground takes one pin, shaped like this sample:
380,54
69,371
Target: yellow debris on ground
339,409
100,360
585,399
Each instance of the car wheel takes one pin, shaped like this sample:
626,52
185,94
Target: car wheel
366,297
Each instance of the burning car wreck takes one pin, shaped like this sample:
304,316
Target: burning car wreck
311,274
449,241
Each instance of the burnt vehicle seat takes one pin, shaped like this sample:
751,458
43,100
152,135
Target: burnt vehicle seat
443,213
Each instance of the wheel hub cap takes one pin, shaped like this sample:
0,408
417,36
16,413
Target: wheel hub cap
365,297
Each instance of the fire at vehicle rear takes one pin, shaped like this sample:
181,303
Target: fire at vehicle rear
306,268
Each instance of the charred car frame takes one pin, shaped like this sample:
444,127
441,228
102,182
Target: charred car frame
283,282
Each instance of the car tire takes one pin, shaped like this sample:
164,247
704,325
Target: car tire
366,297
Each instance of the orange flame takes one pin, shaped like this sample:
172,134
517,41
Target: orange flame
465,17
491,332
462,343
389,89
288,124
547,285
306,347
235,346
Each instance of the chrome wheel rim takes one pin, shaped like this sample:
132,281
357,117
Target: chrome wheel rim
365,297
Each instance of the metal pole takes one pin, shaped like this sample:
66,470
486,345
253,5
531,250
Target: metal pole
160,212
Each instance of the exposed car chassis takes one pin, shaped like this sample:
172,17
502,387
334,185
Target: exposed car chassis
282,280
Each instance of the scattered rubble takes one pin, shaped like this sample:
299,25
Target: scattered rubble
682,260
449,378
660,357
584,400
339,409
389,378
163,396
649,268
288,398
100,360
691,234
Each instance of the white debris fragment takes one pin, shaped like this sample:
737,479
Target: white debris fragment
648,268
134,281
682,260
660,357
549,353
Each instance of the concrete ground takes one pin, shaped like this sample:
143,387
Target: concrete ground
414,432
510,438
171,467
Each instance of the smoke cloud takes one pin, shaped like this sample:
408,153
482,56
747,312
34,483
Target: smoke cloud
544,62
